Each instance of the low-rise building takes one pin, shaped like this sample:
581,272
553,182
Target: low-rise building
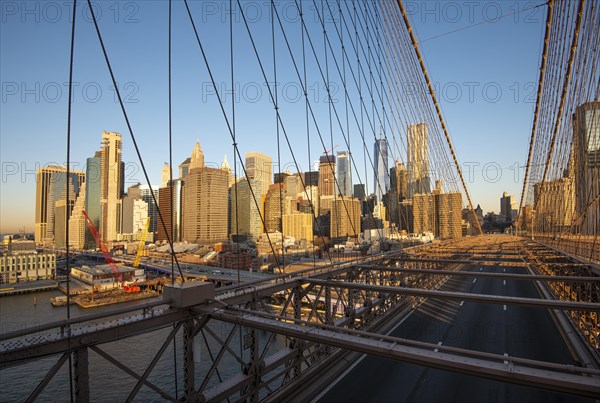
31,266
102,277
242,261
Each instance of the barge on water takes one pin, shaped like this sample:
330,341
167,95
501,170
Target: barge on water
60,300
111,297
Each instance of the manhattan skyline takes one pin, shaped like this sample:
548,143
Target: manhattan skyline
469,112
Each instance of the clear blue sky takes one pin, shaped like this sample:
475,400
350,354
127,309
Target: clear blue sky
485,78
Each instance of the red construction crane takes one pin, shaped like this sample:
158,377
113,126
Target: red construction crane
117,275
330,151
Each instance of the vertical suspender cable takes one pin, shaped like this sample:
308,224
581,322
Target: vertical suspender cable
171,153
131,134
438,110
171,195
537,104
235,184
563,94
222,108
68,173
310,198
276,107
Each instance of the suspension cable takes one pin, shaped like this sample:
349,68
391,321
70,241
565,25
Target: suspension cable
537,103
227,122
438,110
68,173
135,145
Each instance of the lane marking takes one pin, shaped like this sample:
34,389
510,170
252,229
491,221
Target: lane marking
462,303
358,361
504,282
505,307
441,316
504,270
439,344
506,361
474,280
481,269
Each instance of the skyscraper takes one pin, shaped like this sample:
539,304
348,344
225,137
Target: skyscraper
165,175
309,200
344,172
50,183
77,223
396,194
184,167
298,225
205,195
260,167
423,209
418,159
448,215
327,185
245,214
197,158
310,178
359,191
164,206
62,209
398,179
140,216
293,185
275,207
439,213
133,193
508,208
93,174
225,166
279,177
135,211
172,218
111,185
382,177
147,192
345,217
586,144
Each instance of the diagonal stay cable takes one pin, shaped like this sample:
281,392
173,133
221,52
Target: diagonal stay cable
135,145
259,60
230,129
438,110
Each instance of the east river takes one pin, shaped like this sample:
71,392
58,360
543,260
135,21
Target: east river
108,383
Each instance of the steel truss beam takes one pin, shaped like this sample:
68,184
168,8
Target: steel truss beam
40,388
132,373
63,325
82,374
154,361
365,276
188,359
16,353
515,262
461,296
530,277
513,372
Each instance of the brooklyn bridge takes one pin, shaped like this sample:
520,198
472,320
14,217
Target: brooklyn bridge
512,316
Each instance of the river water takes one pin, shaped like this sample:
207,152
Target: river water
108,383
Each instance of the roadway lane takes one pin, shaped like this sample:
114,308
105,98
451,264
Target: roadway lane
517,331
